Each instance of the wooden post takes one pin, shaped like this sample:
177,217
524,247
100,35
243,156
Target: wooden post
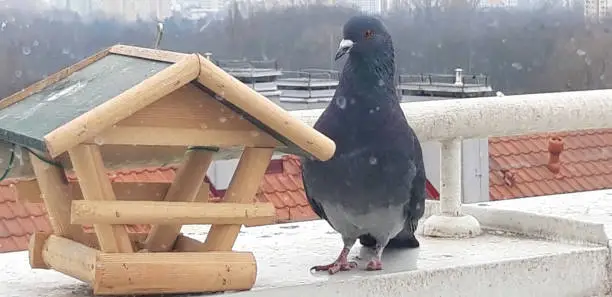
56,196
185,187
95,185
243,187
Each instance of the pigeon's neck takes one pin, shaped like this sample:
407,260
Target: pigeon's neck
376,74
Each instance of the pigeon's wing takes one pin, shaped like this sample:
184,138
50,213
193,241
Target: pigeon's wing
314,204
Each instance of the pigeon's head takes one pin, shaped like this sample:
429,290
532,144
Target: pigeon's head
365,37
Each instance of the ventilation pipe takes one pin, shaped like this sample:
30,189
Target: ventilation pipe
555,147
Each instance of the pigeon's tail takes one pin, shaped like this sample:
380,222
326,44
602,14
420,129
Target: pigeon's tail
405,239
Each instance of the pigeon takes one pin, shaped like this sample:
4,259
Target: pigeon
373,187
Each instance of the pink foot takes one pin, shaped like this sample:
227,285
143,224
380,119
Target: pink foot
336,266
341,264
374,264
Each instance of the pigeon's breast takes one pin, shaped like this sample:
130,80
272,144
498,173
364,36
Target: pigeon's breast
362,179
380,222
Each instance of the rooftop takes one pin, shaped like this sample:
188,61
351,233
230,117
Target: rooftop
519,164
554,246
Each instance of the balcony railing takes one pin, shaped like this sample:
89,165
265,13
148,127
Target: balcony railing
451,121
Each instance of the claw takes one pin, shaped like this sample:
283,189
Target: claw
341,264
336,266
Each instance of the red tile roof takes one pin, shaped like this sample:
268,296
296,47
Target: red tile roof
286,191
519,164
18,221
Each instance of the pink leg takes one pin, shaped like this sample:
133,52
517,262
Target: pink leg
341,264
376,263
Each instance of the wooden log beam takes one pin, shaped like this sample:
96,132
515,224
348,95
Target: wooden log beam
242,189
147,53
186,186
96,186
69,257
266,111
56,196
167,273
135,135
171,213
29,191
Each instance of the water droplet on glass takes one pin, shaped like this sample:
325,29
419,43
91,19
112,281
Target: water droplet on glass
3,25
373,160
254,133
26,50
18,73
517,66
377,108
35,43
371,110
65,51
381,83
222,119
580,52
203,126
341,102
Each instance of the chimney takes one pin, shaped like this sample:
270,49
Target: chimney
459,77
555,147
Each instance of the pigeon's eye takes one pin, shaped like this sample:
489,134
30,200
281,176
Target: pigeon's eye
369,34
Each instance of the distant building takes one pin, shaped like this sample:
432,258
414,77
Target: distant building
596,9
129,10
425,87
499,3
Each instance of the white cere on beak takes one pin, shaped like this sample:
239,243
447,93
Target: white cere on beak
346,43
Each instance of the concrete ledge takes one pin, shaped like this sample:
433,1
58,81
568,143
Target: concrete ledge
531,224
568,274
545,246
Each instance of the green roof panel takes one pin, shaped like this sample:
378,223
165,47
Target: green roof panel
29,120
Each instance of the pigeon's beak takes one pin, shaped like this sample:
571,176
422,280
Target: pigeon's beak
345,47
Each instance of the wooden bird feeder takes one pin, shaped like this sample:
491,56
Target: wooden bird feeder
137,97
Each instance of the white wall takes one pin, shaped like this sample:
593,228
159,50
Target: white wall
475,173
